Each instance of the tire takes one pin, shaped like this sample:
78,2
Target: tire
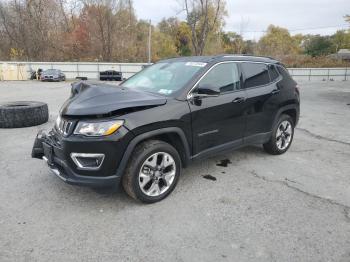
140,160
23,114
276,146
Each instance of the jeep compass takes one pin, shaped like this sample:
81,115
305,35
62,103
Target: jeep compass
144,131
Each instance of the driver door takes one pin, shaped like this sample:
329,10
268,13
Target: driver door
218,121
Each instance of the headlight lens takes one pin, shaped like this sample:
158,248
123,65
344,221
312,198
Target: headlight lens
101,128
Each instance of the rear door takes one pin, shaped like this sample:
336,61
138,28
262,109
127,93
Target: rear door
219,121
261,85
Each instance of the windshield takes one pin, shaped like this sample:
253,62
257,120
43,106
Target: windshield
51,71
164,78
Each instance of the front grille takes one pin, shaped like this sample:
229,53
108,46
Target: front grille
64,126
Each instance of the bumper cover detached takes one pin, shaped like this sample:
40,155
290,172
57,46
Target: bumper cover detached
45,148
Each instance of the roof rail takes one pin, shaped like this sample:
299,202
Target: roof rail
244,55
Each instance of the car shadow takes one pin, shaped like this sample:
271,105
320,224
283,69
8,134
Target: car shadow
196,171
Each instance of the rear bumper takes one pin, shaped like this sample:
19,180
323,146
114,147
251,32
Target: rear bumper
60,163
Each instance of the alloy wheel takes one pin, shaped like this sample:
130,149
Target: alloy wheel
157,174
284,135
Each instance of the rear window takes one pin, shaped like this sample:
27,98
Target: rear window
273,72
283,72
255,74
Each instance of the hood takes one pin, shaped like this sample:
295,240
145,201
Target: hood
101,99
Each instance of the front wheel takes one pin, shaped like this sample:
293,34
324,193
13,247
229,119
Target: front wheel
152,172
281,137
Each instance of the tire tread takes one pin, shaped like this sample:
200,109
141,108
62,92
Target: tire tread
35,113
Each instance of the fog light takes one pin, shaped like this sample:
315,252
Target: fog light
87,161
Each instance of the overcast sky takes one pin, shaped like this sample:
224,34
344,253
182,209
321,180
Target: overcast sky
252,17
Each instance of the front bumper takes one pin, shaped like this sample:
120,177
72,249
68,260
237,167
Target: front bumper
50,79
68,176
56,150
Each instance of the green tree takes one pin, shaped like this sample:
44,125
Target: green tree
169,26
141,41
341,39
250,47
278,42
162,46
179,32
183,39
317,45
232,43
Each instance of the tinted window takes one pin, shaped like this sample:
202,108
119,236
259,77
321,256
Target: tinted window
283,72
256,74
224,77
273,72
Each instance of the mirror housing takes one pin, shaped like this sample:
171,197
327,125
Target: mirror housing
206,91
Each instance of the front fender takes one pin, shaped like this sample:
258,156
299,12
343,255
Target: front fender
144,136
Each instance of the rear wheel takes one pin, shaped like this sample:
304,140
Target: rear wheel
281,137
152,172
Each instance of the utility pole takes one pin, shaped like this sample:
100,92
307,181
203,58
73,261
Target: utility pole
149,41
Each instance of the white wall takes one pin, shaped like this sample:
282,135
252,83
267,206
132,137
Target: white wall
72,70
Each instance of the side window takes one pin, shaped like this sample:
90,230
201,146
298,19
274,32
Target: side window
273,72
224,77
283,72
256,74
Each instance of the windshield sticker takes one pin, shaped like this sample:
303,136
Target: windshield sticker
200,64
165,91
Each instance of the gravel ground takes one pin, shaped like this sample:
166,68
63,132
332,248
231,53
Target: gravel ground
293,207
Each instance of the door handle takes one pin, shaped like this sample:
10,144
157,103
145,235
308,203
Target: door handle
275,91
238,100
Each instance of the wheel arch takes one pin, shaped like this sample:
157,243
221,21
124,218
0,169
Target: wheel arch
291,110
175,136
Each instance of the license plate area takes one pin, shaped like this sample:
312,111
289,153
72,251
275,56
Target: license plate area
48,152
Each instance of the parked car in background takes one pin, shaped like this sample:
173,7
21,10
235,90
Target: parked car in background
111,75
143,132
53,75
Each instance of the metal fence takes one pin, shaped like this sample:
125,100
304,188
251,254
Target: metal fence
70,69
320,74
21,70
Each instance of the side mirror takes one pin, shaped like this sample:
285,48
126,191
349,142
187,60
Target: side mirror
206,91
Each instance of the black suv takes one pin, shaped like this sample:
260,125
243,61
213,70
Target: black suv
144,131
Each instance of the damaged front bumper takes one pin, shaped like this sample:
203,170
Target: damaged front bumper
56,152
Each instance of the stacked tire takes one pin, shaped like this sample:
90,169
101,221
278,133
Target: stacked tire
23,114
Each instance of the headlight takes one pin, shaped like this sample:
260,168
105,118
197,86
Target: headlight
101,128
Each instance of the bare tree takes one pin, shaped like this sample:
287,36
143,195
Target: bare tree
203,16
